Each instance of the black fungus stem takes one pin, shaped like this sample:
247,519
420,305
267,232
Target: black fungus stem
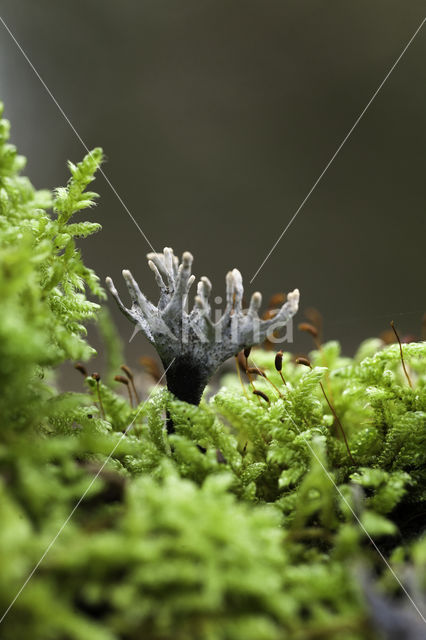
186,381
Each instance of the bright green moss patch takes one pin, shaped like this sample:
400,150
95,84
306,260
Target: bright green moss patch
250,522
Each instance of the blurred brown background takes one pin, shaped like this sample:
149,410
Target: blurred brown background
217,117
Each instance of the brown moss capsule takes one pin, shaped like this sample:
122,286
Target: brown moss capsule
81,368
315,318
151,367
127,371
96,376
309,328
269,313
303,361
279,361
277,300
279,365
261,395
125,381
256,371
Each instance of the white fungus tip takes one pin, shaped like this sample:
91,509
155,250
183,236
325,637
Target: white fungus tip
109,283
293,296
238,281
187,258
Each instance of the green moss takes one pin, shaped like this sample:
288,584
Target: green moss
244,524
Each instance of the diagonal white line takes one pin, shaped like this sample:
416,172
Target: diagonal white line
64,524
66,118
345,139
327,473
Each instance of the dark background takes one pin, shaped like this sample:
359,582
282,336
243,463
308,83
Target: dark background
216,118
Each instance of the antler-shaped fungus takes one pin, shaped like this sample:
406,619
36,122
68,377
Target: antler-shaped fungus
191,346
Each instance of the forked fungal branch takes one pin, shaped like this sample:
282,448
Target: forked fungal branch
191,346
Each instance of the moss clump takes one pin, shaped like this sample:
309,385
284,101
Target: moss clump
229,529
